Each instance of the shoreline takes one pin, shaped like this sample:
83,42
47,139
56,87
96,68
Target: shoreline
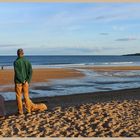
46,74
82,98
39,75
111,68
44,79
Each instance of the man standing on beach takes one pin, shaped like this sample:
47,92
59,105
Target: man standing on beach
23,74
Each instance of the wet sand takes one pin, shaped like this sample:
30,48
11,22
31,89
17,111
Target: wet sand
112,68
104,114
46,74
39,75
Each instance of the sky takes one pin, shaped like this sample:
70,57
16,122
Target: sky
70,28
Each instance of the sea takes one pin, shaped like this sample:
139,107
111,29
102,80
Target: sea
92,82
74,60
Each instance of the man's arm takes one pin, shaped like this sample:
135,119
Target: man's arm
29,76
17,73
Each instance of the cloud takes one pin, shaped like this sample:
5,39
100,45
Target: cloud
112,17
92,13
106,17
104,33
115,17
119,28
65,25
119,13
70,50
11,45
126,39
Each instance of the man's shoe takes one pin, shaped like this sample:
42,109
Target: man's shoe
28,113
20,114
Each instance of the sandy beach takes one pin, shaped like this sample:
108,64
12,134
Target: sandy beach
104,114
99,114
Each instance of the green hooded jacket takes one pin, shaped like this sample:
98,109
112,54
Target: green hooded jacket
23,70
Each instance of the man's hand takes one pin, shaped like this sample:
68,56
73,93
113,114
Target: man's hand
24,82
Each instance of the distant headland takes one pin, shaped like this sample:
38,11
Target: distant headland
135,54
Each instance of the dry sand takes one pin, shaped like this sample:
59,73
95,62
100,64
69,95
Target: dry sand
112,119
104,114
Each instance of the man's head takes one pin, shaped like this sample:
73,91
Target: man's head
20,53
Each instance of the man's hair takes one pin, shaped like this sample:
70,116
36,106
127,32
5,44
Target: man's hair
20,51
